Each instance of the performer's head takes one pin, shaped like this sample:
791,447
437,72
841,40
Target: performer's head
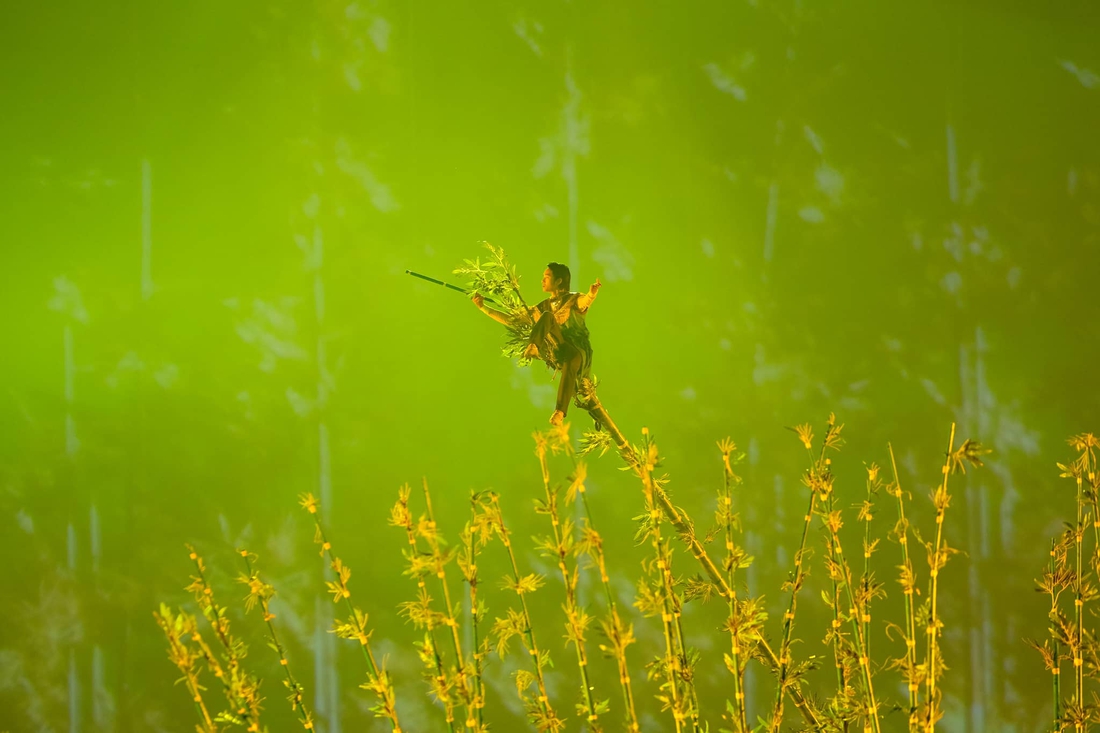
555,278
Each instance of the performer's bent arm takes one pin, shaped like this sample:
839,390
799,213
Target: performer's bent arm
585,300
496,315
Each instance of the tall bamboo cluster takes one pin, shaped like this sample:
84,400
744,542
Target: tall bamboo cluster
241,688
183,651
660,595
355,626
457,647
745,619
1073,573
259,595
562,548
452,680
617,633
517,623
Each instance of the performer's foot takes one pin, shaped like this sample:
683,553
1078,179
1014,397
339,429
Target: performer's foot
532,351
557,418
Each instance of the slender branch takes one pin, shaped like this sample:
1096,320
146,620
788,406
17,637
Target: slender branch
355,628
261,593
591,405
908,585
559,548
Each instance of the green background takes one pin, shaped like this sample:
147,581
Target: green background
887,210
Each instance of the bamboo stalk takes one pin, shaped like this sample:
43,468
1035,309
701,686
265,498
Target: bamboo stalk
420,612
856,613
726,519
617,634
837,624
355,628
543,701
262,592
560,549
241,689
908,587
940,499
432,537
593,407
1057,667
472,541
175,626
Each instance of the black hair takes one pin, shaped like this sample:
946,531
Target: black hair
559,271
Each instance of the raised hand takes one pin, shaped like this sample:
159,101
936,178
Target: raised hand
595,288
478,299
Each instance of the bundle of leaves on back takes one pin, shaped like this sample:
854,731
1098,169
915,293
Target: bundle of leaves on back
496,278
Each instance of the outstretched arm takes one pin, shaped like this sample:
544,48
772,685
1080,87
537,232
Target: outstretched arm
584,302
496,315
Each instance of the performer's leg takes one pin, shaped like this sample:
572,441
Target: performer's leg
571,360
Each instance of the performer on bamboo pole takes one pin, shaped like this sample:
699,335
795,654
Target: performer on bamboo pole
559,335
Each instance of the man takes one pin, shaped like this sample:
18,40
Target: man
559,335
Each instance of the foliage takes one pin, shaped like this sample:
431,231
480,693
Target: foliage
454,673
496,279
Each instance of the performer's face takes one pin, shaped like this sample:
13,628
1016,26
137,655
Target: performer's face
548,283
